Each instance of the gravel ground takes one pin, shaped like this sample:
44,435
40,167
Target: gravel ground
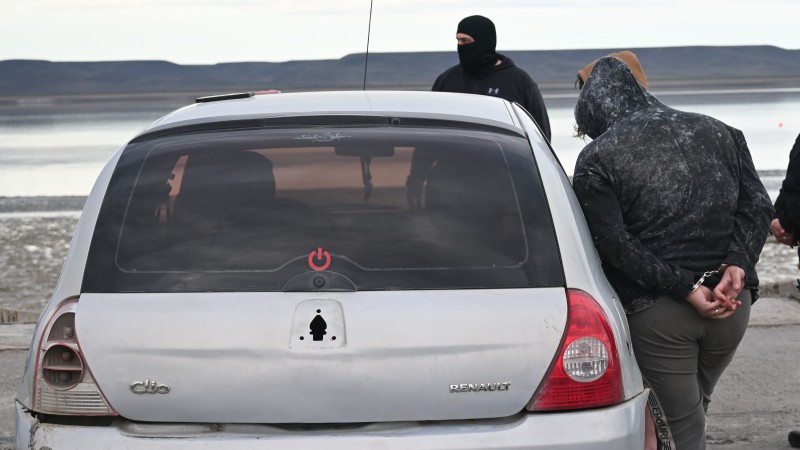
32,251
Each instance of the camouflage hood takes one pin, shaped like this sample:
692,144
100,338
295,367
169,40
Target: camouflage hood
610,95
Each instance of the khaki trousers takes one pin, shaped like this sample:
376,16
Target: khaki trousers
682,355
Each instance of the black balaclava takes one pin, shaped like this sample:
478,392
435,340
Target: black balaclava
479,57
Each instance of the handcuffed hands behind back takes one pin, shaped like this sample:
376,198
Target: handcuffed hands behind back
722,302
710,307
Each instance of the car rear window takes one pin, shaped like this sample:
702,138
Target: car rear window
345,208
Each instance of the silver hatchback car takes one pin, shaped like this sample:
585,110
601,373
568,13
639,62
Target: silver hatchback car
351,270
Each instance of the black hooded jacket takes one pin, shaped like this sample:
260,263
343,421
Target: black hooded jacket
787,205
667,194
504,80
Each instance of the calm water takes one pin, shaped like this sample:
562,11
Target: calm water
50,148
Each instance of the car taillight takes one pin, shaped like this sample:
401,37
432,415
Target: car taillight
63,383
586,373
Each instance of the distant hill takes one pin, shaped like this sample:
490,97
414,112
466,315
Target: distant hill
554,69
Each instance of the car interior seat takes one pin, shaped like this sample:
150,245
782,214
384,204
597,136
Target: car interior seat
470,198
222,187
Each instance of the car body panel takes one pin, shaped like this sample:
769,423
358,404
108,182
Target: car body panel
400,352
467,107
71,276
613,428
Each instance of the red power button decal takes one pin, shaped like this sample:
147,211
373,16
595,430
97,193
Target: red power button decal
324,259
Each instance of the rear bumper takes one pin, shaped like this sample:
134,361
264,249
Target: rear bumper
615,428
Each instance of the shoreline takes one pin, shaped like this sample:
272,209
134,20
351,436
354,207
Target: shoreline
38,204
548,87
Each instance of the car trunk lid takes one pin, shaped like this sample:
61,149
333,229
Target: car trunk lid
321,357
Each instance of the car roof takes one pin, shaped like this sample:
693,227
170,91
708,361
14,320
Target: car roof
463,107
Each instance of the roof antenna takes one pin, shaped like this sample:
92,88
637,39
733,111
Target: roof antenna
366,56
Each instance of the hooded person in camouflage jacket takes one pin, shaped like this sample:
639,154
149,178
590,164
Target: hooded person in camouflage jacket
679,217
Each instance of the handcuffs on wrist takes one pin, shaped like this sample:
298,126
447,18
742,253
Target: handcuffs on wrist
720,269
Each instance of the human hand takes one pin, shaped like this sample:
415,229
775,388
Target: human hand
780,234
730,286
707,306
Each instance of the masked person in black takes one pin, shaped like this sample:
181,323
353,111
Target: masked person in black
786,224
679,217
484,71
481,71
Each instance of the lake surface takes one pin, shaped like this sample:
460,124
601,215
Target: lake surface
50,147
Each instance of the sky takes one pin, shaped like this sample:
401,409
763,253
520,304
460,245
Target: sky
215,31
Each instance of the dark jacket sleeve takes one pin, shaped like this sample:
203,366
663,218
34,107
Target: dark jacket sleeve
535,105
787,206
622,250
753,212
437,85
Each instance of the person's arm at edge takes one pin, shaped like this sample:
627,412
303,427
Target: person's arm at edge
438,84
787,206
